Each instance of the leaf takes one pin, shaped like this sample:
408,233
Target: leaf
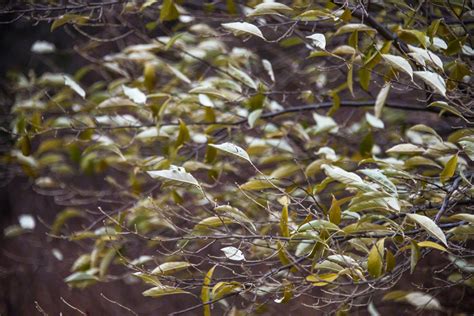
348,178
434,80
233,253
162,290
374,121
68,81
414,256
269,69
62,217
242,77
349,28
270,8
335,211
427,224
431,244
66,18
405,149
380,100
446,107
174,174
253,117
375,259
317,225
423,301
399,63
285,232
318,39
134,94
233,150
168,11
377,176
322,279
179,74
256,185
449,169
234,213
324,124
168,268
106,261
80,277
239,28
222,289
206,291
211,222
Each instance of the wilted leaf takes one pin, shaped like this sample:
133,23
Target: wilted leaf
380,100
434,80
206,291
239,28
174,174
68,81
322,279
449,169
161,290
375,259
134,94
399,63
319,40
232,149
171,267
427,224
233,253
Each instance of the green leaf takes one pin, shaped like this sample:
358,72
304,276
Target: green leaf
62,217
168,268
162,290
233,150
239,28
206,291
375,259
449,169
427,224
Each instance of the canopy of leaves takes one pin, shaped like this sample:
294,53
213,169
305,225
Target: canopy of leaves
259,152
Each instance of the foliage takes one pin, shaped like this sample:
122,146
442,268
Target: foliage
264,151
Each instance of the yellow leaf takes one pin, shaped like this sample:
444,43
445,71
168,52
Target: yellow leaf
335,211
322,279
206,291
449,169
222,289
431,244
168,11
375,259
285,232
